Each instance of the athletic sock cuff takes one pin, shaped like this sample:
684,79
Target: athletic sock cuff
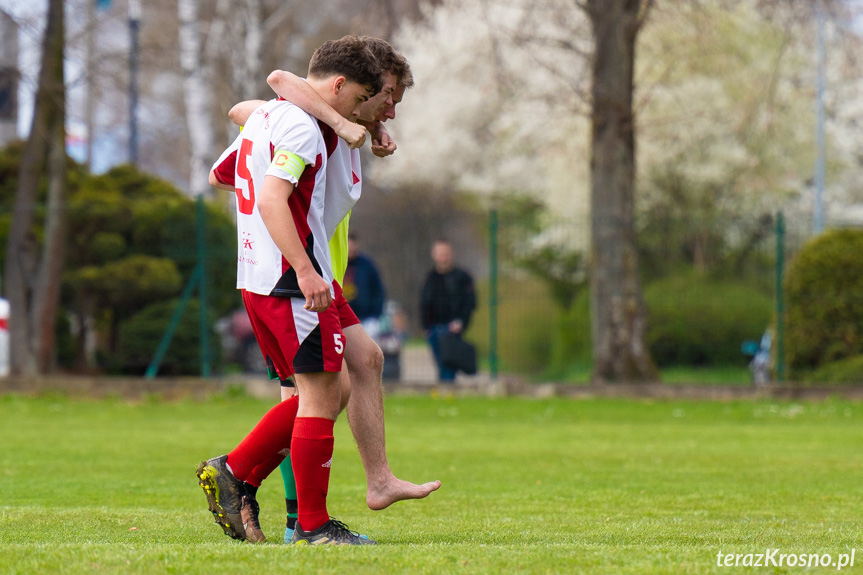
313,428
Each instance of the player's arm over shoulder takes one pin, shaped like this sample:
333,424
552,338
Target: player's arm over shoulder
241,112
296,90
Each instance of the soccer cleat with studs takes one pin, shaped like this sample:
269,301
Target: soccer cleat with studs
330,533
249,513
224,495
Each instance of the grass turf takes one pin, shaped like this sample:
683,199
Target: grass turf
529,486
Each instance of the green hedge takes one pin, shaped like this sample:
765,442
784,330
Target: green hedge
571,352
526,321
692,321
696,321
824,288
849,370
140,336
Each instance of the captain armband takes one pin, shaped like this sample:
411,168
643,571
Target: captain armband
289,163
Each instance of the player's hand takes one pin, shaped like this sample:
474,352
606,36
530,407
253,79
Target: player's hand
352,133
382,144
455,326
316,290
384,149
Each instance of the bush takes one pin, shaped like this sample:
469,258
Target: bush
696,321
140,335
526,325
849,370
824,287
572,350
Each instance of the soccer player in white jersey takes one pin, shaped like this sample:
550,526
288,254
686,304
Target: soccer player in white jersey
362,355
277,166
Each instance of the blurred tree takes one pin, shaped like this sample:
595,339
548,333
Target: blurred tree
618,318
728,130
536,243
196,91
34,264
130,240
722,104
132,244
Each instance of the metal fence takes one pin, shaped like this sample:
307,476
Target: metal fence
531,275
533,317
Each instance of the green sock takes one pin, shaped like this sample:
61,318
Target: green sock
290,491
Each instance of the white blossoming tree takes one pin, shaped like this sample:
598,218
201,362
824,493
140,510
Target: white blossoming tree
723,101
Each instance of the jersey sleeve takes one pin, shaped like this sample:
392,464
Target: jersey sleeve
225,167
295,143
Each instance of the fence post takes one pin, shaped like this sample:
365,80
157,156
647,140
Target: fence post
202,289
492,298
780,300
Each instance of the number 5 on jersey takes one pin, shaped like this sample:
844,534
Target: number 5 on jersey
245,204
340,346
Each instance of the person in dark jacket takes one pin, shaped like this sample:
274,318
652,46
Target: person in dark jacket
362,286
447,302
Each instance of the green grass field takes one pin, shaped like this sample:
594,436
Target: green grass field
529,486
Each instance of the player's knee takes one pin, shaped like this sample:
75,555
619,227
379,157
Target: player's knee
376,360
366,362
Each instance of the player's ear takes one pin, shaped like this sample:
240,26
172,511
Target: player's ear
339,83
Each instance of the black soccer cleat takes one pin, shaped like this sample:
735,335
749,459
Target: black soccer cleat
330,533
224,495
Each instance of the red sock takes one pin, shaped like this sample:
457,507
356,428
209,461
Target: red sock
263,470
271,435
311,457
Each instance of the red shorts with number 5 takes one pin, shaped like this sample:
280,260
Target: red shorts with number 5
297,340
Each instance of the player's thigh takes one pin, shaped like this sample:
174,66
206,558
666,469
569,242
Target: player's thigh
256,307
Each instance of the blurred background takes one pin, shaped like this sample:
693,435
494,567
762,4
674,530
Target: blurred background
738,201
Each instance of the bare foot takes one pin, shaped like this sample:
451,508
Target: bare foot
394,489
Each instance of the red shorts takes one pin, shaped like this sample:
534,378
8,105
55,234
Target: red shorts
347,317
298,340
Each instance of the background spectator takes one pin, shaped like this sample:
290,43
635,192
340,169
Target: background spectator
363,287
447,302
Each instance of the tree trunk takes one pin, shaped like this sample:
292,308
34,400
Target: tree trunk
33,278
617,303
197,96
251,70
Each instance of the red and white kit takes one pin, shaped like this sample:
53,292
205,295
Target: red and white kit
283,141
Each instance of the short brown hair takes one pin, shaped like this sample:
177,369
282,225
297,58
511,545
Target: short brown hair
350,57
390,60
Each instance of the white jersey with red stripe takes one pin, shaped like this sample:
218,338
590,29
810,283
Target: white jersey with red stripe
344,183
344,187
278,140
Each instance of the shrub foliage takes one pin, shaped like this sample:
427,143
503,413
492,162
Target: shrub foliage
694,320
824,288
